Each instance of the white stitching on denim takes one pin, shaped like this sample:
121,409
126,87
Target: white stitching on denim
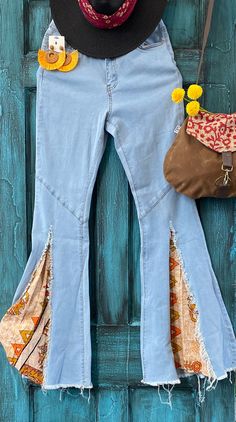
62,202
164,192
131,181
130,178
81,296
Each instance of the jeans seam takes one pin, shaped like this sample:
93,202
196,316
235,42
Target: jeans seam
53,193
157,44
114,67
109,92
82,301
91,180
143,237
152,47
167,41
132,184
172,56
84,220
111,64
164,193
39,118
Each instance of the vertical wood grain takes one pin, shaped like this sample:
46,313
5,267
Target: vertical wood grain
14,399
218,216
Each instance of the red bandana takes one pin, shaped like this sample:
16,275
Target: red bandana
105,21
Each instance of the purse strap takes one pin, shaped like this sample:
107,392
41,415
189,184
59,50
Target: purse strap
205,35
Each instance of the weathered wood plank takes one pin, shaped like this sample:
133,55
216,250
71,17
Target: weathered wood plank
71,406
218,216
109,237
219,404
116,357
184,23
145,406
112,405
14,399
134,266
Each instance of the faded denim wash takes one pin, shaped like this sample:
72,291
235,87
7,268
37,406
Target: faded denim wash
130,98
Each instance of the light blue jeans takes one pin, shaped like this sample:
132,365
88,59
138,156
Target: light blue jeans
130,98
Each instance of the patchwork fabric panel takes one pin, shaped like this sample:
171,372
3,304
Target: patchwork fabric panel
215,131
25,326
24,329
184,316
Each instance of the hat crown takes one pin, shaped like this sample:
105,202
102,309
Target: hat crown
107,7
101,35
104,21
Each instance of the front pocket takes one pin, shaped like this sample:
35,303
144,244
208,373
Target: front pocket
155,39
146,46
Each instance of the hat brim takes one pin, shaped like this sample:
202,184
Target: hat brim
106,43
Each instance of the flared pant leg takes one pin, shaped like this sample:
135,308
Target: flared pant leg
143,123
70,141
46,332
77,153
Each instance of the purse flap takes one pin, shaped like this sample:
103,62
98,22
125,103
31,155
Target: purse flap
216,131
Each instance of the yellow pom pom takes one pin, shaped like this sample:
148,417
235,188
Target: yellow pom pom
195,92
178,95
193,108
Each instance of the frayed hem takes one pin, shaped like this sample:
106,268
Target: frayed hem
57,386
162,384
63,388
225,375
155,384
168,389
204,384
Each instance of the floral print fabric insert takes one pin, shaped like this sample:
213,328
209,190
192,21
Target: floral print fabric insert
24,328
184,315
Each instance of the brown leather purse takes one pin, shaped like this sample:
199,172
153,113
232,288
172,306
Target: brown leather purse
201,161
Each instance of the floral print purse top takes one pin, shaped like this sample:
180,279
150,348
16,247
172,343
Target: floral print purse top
215,131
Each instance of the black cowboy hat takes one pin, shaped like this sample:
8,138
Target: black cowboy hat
106,43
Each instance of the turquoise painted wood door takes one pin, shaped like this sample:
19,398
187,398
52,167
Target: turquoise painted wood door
115,245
